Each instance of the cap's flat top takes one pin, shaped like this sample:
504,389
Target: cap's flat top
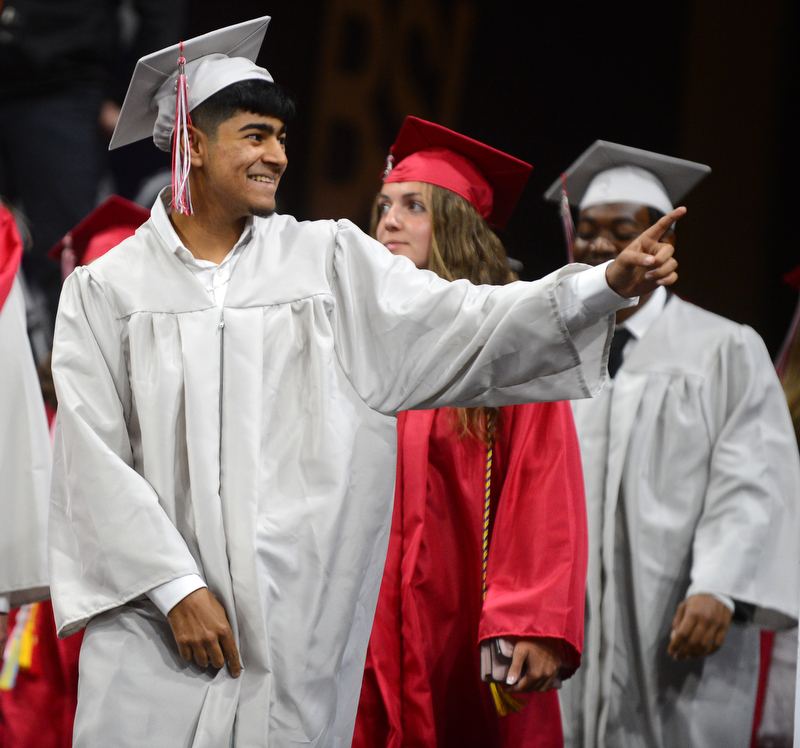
137,117
677,175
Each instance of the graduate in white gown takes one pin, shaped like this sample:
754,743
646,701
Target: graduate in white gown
25,454
692,487
228,381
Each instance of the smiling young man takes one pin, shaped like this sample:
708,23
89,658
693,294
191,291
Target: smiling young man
692,478
228,381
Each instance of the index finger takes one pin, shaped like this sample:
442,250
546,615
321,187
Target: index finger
515,669
659,228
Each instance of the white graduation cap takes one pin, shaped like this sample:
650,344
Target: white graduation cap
213,61
612,173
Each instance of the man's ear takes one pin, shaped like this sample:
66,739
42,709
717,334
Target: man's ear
198,145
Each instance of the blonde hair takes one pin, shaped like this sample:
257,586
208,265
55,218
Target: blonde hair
462,246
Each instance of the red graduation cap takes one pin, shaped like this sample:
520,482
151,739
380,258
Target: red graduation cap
110,223
489,179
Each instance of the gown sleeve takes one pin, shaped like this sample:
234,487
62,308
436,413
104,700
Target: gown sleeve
747,541
110,540
407,339
536,573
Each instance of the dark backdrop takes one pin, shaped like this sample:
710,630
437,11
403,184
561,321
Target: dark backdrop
706,80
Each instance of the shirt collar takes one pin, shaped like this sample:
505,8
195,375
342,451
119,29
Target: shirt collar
160,218
643,318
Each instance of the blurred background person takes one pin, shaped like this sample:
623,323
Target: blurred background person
775,709
39,679
60,66
25,455
437,612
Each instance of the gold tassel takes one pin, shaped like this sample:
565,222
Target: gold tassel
18,653
29,639
504,702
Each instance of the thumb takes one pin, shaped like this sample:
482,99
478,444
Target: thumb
677,636
515,670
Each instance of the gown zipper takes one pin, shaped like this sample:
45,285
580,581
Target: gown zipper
221,328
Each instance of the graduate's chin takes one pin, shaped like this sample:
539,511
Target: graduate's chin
262,212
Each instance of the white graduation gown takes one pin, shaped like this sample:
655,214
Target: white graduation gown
692,485
186,435
25,459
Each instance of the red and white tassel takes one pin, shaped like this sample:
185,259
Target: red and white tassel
181,145
566,219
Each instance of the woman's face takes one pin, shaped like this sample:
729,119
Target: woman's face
404,224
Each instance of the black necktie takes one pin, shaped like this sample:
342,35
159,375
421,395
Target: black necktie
621,336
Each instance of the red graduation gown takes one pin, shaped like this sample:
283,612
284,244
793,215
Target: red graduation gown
422,684
39,711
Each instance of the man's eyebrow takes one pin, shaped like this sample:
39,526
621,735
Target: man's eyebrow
264,127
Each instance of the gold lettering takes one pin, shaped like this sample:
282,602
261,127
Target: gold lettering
379,64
